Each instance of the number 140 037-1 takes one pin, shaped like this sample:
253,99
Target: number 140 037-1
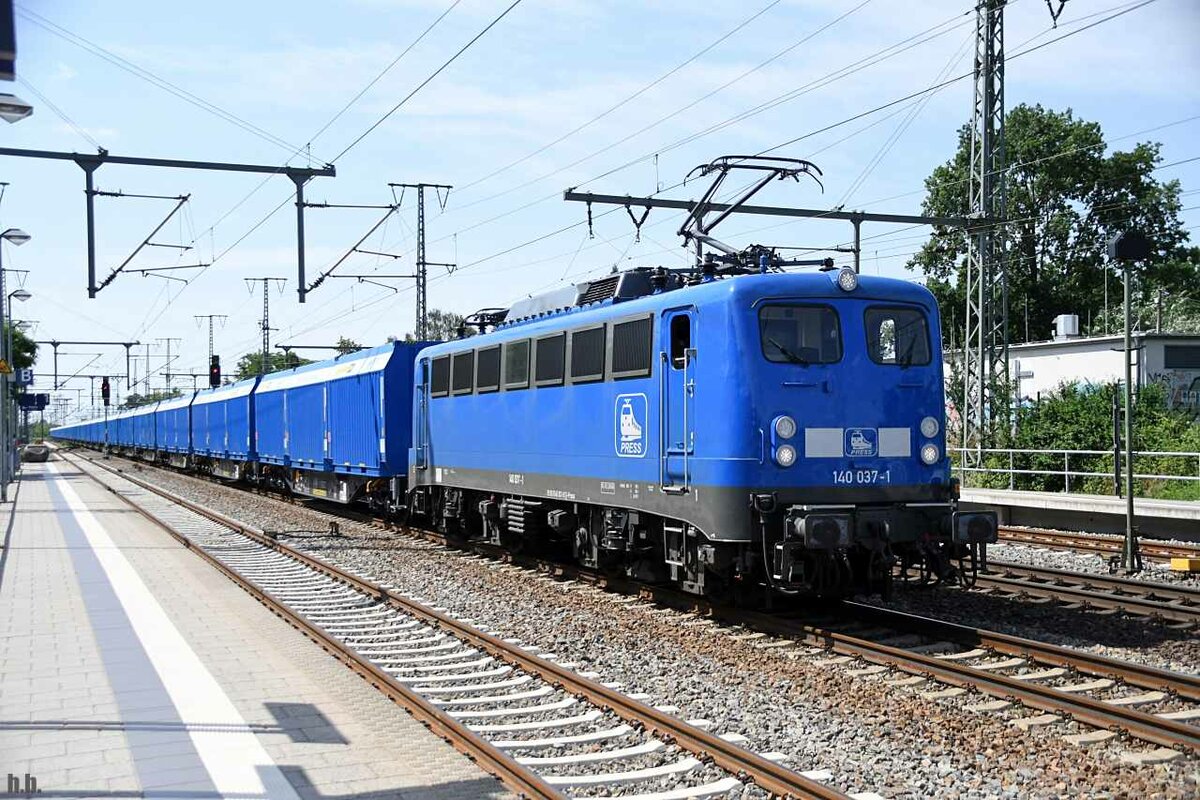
858,476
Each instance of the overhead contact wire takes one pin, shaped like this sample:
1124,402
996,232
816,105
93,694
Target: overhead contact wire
427,81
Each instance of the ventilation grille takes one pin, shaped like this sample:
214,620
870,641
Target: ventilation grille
600,290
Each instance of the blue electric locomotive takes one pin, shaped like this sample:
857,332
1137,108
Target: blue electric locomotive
777,429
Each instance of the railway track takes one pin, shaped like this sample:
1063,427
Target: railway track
542,728
1177,604
870,641
1096,543
1100,692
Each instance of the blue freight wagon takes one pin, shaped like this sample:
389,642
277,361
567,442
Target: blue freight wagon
340,429
142,430
120,430
289,418
223,429
173,426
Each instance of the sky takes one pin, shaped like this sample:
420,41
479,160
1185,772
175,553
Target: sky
614,97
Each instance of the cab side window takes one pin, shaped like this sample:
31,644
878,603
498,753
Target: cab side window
681,340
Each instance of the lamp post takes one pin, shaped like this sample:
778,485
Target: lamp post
13,108
10,415
17,237
1127,248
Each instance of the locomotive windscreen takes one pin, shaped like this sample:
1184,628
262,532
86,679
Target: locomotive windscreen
800,334
897,336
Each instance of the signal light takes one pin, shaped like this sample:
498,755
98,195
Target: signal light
214,371
105,391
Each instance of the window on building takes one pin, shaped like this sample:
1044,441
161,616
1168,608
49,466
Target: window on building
1181,356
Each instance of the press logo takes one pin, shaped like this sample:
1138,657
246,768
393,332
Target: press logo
860,442
28,787
629,423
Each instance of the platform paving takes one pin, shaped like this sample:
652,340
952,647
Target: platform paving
129,667
1087,512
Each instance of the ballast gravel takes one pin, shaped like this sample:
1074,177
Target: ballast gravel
870,736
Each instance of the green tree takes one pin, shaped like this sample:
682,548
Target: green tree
443,326
1175,311
24,349
1066,197
250,364
346,346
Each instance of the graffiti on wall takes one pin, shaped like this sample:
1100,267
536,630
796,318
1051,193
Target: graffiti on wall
1182,388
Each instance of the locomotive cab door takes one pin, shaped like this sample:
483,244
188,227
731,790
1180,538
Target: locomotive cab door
421,424
677,389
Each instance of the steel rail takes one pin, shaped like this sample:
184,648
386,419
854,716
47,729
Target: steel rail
1158,551
1031,583
1114,583
491,759
1184,685
765,773
1097,713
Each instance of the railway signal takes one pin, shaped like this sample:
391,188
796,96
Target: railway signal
105,391
214,371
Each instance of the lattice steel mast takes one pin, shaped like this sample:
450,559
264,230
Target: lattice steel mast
210,318
985,346
422,332
266,318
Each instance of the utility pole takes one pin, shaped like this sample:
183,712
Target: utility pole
210,318
167,365
985,345
422,332
266,317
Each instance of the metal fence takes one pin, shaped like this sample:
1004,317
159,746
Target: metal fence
1021,467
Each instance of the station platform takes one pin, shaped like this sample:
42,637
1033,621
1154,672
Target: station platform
1088,512
129,667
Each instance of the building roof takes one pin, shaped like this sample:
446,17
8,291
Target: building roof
1116,340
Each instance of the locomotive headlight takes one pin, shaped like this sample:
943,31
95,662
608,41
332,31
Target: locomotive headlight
785,455
929,427
785,427
930,454
847,280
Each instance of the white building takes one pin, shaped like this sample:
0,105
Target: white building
1169,359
